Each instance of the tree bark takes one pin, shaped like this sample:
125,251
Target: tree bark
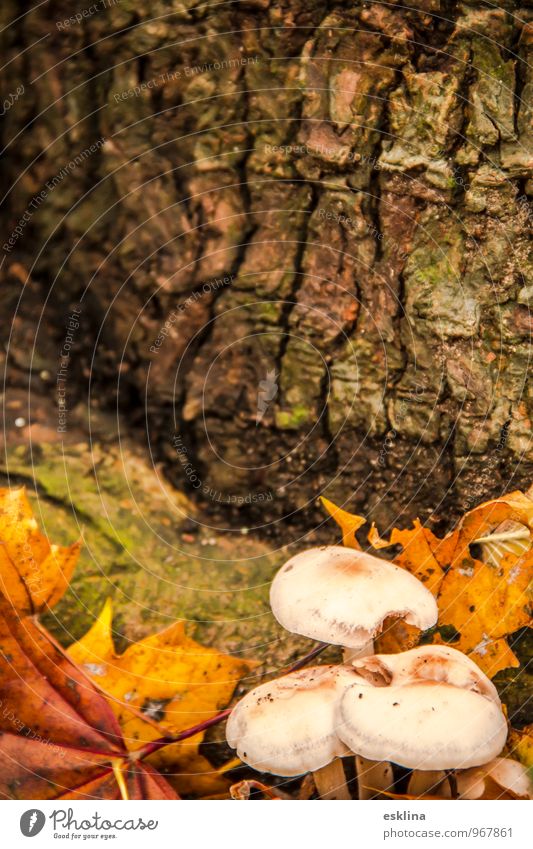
300,245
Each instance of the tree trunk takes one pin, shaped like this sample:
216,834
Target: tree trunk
297,235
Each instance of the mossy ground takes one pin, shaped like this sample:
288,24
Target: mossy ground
145,546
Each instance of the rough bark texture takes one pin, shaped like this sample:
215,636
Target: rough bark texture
361,171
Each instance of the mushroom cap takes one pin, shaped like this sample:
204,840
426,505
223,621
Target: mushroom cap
342,596
426,663
429,708
287,726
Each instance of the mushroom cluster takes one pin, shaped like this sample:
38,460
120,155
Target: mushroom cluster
429,708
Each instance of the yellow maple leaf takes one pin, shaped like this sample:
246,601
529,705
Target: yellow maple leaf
516,507
349,523
162,684
34,574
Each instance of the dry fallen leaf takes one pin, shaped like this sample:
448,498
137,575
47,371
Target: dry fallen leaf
480,603
502,778
59,738
484,604
520,745
419,555
162,684
486,518
33,573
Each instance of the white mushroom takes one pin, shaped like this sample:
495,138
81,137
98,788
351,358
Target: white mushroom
428,708
511,778
287,727
426,663
342,596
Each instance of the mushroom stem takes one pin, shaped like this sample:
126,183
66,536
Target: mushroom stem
373,777
349,654
330,781
429,783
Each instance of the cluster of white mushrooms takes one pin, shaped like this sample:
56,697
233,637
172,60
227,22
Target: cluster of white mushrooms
430,708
